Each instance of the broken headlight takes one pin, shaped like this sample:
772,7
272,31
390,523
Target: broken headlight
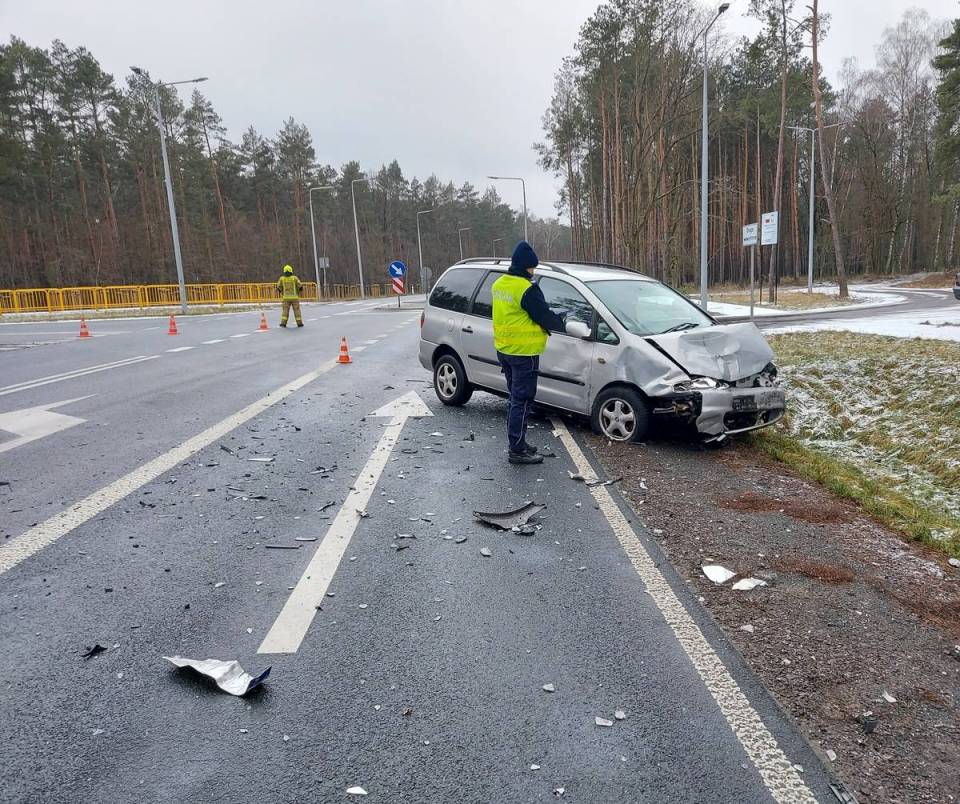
696,384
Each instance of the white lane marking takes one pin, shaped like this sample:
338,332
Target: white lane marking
241,335
215,340
778,774
312,319
69,375
30,424
182,349
359,348
345,312
46,533
291,625
371,343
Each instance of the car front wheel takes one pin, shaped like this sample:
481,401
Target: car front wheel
620,414
450,381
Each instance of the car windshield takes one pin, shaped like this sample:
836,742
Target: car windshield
648,308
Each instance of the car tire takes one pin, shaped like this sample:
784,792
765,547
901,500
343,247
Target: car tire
450,381
620,414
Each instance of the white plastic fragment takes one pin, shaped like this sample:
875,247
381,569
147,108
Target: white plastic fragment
559,791
748,628
229,676
356,791
746,584
620,715
888,697
954,562
831,755
548,688
602,721
717,573
534,767
485,552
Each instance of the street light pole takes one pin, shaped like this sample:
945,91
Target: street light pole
495,241
313,232
423,279
523,184
460,235
174,229
704,165
356,229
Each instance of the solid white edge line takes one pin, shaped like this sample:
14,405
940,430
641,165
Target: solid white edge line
240,335
294,620
777,772
77,375
46,533
70,373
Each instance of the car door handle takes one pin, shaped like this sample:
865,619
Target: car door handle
601,360
466,329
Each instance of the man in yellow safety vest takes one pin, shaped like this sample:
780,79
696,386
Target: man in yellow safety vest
289,288
521,323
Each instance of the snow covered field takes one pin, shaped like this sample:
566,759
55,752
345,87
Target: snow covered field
939,325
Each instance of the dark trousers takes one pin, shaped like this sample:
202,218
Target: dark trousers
521,375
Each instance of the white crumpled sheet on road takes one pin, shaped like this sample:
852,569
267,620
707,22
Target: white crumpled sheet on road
229,676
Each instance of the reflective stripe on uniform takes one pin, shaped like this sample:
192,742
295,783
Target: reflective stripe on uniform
514,332
288,286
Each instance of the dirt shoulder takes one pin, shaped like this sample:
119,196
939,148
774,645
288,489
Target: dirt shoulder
851,611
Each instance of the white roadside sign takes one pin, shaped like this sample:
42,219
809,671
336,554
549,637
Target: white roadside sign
750,234
768,230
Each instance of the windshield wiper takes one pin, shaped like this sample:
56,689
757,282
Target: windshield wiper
680,327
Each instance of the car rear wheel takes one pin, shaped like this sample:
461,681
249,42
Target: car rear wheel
450,381
620,414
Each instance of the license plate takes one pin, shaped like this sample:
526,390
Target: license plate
765,400
744,403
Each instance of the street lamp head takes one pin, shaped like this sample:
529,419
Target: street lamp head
198,80
723,7
137,70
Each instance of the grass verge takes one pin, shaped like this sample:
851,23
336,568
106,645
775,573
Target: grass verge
786,300
876,420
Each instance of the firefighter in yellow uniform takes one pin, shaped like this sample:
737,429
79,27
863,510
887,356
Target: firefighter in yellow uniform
290,288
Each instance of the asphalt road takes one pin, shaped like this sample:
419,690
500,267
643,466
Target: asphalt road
135,519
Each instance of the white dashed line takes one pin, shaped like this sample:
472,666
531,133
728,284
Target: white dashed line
240,335
182,349
778,774
215,340
371,343
359,348
46,533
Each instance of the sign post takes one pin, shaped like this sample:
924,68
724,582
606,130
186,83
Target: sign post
750,239
397,271
769,227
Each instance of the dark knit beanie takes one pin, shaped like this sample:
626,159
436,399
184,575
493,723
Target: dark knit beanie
524,256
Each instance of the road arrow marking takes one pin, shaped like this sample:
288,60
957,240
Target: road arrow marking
29,424
298,612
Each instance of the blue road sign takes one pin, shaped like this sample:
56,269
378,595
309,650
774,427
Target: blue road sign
397,269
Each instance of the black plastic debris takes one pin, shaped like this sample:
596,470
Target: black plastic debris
228,676
227,449
282,546
508,520
91,652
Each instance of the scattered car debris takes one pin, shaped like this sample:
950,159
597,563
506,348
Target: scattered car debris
227,449
91,652
282,546
262,460
356,791
460,540
534,766
953,562
549,688
228,675
869,722
748,628
888,697
559,791
602,721
485,552
717,573
304,538
592,483
508,520
620,715
746,584
831,755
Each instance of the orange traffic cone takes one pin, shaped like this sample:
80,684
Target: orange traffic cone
344,354
263,321
173,327
84,332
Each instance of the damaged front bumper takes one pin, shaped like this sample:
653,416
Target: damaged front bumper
725,409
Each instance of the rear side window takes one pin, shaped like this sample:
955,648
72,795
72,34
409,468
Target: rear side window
455,288
483,304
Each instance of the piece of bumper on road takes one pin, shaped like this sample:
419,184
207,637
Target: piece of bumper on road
229,676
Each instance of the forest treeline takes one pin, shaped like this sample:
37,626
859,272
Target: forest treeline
82,198
623,134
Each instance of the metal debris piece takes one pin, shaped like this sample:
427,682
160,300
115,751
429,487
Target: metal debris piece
282,546
602,721
717,573
262,460
406,536
229,676
888,697
620,715
356,791
91,652
227,449
485,552
549,688
305,538
592,483
746,584
437,434
508,520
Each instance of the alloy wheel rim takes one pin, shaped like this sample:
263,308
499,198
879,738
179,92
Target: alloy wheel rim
447,380
617,419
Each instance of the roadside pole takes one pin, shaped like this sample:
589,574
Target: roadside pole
750,239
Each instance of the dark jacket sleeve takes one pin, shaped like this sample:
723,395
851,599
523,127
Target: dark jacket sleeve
535,306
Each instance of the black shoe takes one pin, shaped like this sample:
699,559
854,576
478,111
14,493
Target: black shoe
530,449
524,457
284,326
299,323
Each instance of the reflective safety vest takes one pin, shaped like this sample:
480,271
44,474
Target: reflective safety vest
289,286
514,332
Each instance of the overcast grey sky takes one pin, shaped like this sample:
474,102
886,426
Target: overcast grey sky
455,88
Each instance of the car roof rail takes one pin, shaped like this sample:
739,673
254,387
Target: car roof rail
494,260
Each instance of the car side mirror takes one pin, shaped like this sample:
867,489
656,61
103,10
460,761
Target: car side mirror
577,329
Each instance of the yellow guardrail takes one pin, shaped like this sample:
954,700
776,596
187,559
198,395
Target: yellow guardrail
112,297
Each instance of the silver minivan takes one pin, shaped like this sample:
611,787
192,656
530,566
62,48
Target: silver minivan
634,350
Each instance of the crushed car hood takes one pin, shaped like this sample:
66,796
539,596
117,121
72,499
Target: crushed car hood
724,352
